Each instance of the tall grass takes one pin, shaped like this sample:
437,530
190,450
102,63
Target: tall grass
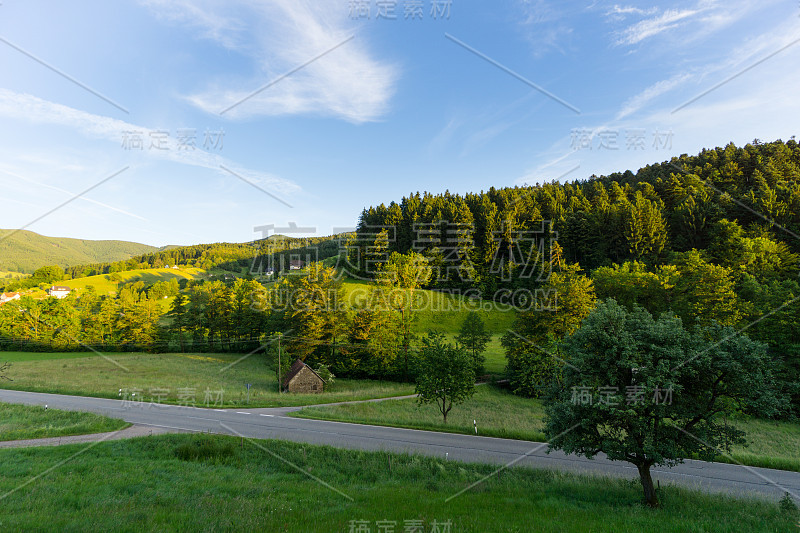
145,485
33,422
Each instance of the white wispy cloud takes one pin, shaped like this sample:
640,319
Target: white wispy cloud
652,92
689,24
707,71
30,108
630,10
218,26
280,36
651,27
547,25
753,105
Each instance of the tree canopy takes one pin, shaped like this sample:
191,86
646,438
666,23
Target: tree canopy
445,374
647,391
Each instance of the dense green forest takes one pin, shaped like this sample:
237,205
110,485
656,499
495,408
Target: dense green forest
25,251
712,238
675,206
204,315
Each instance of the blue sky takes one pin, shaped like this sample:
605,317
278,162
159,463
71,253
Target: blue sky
227,116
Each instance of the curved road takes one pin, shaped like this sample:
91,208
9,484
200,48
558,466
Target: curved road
274,424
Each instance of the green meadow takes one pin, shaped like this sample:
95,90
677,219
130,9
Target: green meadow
198,379
217,483
34,422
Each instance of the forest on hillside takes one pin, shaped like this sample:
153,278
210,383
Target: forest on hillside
713,238
26,251
252,258
689,202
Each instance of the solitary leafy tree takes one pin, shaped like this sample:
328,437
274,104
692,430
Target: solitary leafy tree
445,374
648,392
474,337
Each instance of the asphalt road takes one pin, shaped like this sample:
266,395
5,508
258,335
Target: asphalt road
274,424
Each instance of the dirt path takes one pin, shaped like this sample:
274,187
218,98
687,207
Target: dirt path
127,433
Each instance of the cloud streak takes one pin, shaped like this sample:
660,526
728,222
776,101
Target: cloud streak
279,36
652,92
33,109
653,26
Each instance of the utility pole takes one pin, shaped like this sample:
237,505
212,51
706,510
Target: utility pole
280,387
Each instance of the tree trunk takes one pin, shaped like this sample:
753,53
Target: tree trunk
650,497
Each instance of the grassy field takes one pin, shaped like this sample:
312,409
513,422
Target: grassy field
498,414
216,483
770,444
32,422
6,275
14,357
176,378
103,283
445,313
441,311
501,414
495,355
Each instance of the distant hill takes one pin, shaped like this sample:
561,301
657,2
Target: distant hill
26,251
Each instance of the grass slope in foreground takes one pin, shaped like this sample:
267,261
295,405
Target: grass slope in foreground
32,422
501,414
214,483
163,378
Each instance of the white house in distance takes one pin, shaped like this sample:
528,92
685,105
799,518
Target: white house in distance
8,296
59,291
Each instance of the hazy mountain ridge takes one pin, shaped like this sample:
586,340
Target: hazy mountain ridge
25,251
